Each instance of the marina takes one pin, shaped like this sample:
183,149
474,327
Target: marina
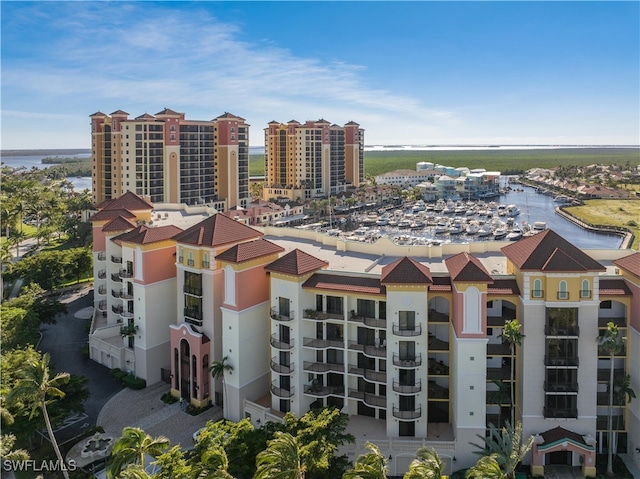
519,213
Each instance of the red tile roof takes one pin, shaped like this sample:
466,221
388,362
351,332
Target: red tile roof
118,224
560,434
349,284
466,268
548,251
249,250
145,235
217,230
406,271
168,111
441,284
296,262
630,263
504,286
106,215
614,287
128,201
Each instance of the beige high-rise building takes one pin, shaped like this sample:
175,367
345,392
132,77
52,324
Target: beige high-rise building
169,159
314,159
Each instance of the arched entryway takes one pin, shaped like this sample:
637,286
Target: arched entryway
190,365
561,447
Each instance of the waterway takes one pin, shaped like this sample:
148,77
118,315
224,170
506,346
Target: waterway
35,161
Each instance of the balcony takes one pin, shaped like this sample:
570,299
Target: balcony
102,305
499,374
115,293
372,400
403,330
557,412
205,264
407,388
370,374
437,392
604,372
617,423
117,309
278,343
585,293
126,274
124,294
102,289
498,321
561,387
537,293
276,315
369,349
281,392
562,295
116,277
435,344
407,414
192,290
102,256
407,361
126,314
320,315
102,274
561,362
603,353
116,259
276,367
323,343
368,321
438,368
501,349
318,390
323,367
554,331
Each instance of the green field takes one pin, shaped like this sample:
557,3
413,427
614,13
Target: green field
505,161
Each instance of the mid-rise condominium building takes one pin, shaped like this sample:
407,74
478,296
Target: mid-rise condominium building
407,340
169,159
314,159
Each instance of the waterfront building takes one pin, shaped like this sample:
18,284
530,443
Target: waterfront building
314,159
407,178
170,159
405,339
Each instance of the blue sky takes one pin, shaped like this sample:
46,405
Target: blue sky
408,72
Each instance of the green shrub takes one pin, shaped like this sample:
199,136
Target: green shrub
115,371
632,223
168,398
85,351
194,411
134,382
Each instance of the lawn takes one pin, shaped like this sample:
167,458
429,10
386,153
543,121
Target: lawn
611,212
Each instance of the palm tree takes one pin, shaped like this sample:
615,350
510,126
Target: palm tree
218,368
506,446
132,447
213,464
370,465
487,467
282,459
35,385
428,465
501,396
622,391
512,335
612,343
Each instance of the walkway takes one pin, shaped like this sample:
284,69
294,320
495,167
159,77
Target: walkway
563,472
145,409
633,469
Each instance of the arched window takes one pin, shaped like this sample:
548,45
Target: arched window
205,260
562,290
194,371
537,288
585,291
190,260
181,255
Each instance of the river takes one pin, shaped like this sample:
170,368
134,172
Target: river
30,161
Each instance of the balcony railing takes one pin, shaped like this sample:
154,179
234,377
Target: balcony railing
102,274
116,277
281,368
190,262
438,317
407,414
278,343
369,399
562,331
205,264
117,309
323,391
115,293
603,353
275,314
322,315
126,314
370,374
407,361
126,274
435,344
102,305
556,412
585,293
435,391
561,387
102,289
563,295
537,293
567,362
369,349
116,259
323,343
102,256
368,321
407,388
439,368
323,367
125,294
192,290
281,392
401,330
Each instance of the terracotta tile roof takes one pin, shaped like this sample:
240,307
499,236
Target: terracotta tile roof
228,115
107,215
630,263
467,268
145,235
217,230
168,111
146,116
119,112
128,201
504,286
548,251
558,434
349,284
98,113
614,287
249,250
441,284
296,262
406,271
118,224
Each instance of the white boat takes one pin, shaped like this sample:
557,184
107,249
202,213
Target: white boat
539,225
512,210
499,234
472,229
484,231
382,221
515,234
